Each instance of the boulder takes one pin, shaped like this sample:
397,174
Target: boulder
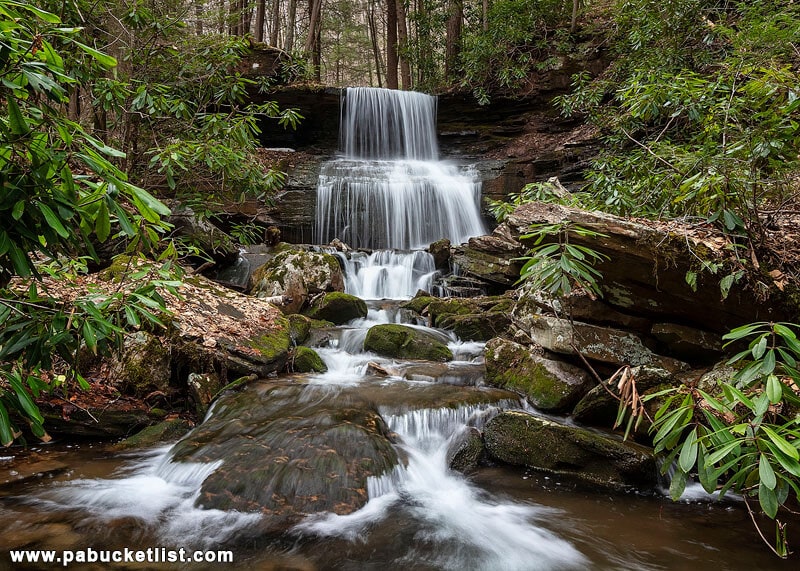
143,367
306,360
491,259
297,274
165,431
286,453
337,307
599,407
547,384
648,261
472,319
440,250
523,439
466,450
202,388
603,344
404,342
688,343
201,233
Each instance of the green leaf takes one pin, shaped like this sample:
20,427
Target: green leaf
725,285
103,59
768,365
721,453
691,279
16,122
6,429
24,399
781,443
41,14
688,455
760,347
774,389
89,337
766,473
102,224
705,473
768,500
677,485
53,220
19,210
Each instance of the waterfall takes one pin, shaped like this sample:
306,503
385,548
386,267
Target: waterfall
389,190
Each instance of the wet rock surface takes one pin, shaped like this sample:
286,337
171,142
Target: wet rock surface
523,439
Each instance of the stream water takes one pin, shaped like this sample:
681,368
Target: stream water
420,514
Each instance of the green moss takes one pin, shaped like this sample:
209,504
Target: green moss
418,304
404,342
161,432
306,360
276,343
299,327
338,308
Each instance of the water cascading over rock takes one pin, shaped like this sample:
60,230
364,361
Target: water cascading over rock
389,190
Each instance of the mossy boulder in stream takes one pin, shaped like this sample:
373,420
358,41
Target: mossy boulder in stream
298,275
306,360
338,308
523,439
288,450
472,319
549,385
403,342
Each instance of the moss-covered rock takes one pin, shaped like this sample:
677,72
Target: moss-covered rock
299,327
338,308
472,319
418,303
476,326
466,450
166,431
287,450
522,439
599,408
297,274
403,342
202,388
548,385
306,360
143,367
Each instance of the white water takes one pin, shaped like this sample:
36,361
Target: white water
161,494
468,529
387,274
390,191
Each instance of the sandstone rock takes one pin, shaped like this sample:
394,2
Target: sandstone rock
298,274
165,431
466,450
338,308
596,343
403,342
143,367
599,408
202,233
547,384
522,439
687,342
646,271
285,455
202,388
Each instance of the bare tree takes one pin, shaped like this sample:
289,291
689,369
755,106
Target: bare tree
376,52
260,14
402,36
453,41
288,44
276,23
391,44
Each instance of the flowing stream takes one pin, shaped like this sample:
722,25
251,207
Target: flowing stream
387,191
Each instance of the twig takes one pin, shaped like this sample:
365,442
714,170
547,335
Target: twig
758,529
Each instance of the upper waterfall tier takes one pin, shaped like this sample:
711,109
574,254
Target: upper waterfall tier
388,124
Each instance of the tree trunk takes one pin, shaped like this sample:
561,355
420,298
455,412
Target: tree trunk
485,15
574,23
314,9
391,44
402,37
453,42
276,23
376,52
198,18
260,12
288,44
